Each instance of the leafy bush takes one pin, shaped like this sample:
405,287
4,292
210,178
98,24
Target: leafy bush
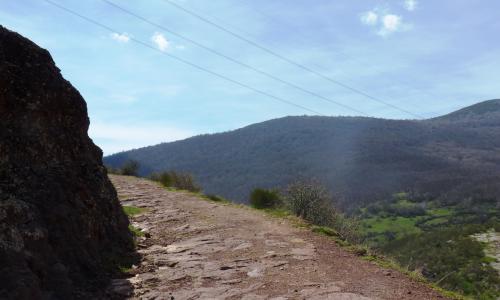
310,201
130,168
178,180
261,198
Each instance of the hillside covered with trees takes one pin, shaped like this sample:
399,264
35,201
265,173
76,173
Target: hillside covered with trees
452,158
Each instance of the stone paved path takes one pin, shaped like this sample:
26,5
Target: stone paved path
197,249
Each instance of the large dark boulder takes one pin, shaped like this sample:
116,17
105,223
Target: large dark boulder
62,229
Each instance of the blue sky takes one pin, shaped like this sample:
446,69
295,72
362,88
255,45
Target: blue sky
424,56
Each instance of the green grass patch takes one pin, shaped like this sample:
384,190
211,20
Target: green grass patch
404,203
489,259
400,226
436,221
124,269
324,230
277,212
394,224
135,231
440,212
131,211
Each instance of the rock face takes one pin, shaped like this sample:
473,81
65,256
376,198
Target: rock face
61,226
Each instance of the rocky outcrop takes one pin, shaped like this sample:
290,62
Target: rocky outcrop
62,229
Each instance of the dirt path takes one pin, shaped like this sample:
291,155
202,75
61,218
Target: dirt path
198,249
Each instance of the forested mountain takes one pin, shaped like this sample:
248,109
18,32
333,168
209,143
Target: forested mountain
453,158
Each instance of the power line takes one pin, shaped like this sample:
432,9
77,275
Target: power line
236,61
96,23
343,53
290,61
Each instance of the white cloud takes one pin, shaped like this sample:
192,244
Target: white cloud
117,137
369,18
411,5
386,23
160,41
390,24
122,38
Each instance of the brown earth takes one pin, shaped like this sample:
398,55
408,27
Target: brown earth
196,249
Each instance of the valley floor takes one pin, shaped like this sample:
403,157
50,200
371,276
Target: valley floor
196,249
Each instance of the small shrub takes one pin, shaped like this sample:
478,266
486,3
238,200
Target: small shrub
310,201
185,181
130,168
178,180
348,228
165,178
261,198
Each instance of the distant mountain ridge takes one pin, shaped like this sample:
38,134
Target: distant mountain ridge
453,157
477,110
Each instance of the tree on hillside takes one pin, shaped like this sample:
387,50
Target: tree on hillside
130,168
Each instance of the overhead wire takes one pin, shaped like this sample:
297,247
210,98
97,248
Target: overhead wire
234,60
297,33
288,60
184,61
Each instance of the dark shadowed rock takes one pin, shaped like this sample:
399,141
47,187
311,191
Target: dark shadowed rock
61,226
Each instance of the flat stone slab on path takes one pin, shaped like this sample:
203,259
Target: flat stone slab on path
198,249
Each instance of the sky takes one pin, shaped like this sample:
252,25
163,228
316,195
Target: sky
398,59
